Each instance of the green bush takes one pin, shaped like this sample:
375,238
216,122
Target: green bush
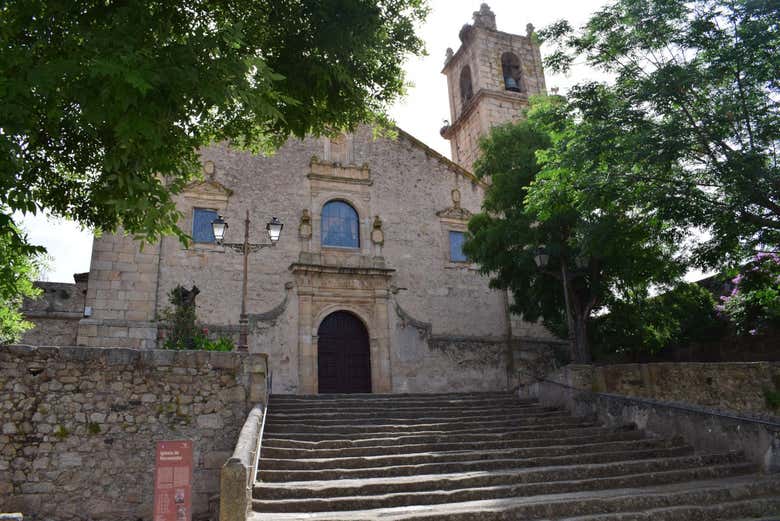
183,329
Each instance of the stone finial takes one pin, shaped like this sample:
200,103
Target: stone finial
464,32
304,228
445,126
456,198
529,30
448,55
485,18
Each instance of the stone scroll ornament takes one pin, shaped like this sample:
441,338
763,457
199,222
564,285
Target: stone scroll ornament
377,235
304,228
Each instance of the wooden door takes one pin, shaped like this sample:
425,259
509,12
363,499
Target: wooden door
343,359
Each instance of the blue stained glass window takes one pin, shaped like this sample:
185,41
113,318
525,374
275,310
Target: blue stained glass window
201,225
340,225
456,247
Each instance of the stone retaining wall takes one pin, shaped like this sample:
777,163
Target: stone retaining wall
79,425
733,386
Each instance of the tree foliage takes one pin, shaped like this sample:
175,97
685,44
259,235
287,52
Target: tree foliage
690,127
754,303
21,264
104,104
597,246
643,327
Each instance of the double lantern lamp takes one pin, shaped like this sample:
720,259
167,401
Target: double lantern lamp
274,230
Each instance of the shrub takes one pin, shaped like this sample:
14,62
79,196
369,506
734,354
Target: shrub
184,331
754,303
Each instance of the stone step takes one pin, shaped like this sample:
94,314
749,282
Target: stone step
422,482
270,475
269,450
419,412
394,402
431,497
556,418
553,506
395,397
344,462
753,509
414,421
313,434
313,441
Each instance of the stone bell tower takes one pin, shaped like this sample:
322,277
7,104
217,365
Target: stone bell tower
490,79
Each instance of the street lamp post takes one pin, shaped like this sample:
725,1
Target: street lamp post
274,231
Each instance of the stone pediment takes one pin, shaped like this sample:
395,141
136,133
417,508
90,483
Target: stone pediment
208,189
455,213
337,172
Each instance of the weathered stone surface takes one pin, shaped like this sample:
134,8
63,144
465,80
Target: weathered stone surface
740,387
78,438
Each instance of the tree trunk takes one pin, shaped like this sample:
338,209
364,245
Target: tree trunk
581,347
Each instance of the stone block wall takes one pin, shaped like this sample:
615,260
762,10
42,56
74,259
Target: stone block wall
79,426
55,312
733,386
121,293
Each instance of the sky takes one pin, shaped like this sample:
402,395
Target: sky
421,113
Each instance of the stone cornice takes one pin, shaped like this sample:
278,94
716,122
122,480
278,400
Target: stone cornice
302,267
504,95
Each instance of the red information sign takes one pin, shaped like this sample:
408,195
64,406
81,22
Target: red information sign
173,481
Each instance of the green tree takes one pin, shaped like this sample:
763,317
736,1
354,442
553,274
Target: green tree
21,264
638,328
536,209
754,303
691,122
104,104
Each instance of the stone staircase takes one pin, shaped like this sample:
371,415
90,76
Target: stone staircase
487,456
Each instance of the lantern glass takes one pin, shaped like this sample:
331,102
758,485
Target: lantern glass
219,227
541,257
274,229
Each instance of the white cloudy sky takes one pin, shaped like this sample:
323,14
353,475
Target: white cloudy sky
420,114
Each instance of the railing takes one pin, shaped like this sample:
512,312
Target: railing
238,474
671,405
706,429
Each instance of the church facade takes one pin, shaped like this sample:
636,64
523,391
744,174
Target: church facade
367,289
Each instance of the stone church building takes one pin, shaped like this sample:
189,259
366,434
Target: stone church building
367,289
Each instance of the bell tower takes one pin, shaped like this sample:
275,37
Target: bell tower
489,80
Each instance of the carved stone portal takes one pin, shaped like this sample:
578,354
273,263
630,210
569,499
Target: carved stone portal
364,292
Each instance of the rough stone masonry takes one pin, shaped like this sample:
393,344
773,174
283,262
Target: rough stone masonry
79,425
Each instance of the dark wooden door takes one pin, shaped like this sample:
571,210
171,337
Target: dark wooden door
343,360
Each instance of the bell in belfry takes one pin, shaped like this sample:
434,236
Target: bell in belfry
511,84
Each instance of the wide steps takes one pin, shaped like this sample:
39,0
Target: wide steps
381,449
485,457
335,442
459,455
430,497
744,491
424,482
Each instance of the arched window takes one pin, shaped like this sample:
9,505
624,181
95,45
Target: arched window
510,66
466,92
340,225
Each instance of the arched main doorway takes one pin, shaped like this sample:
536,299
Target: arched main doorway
343,358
